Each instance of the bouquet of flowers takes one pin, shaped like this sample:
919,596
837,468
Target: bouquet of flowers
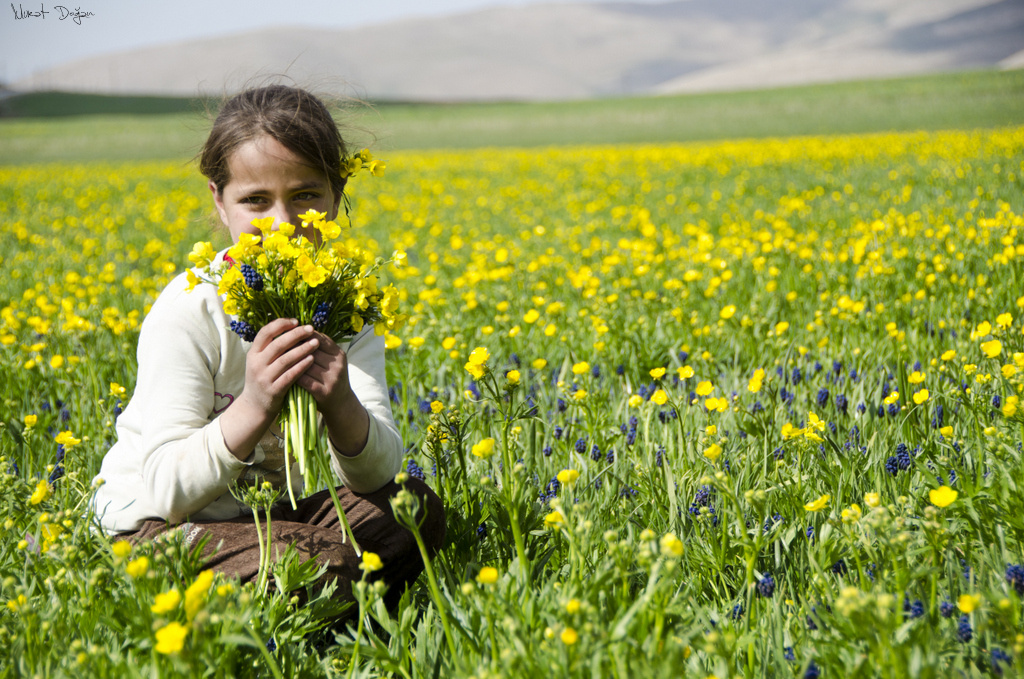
330,283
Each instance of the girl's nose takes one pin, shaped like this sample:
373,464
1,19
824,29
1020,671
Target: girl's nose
281,215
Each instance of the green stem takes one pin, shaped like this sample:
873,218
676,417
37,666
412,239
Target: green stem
263,552
262,646
359,633
342,519
288,470
435,592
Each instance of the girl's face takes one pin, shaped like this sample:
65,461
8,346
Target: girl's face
269,180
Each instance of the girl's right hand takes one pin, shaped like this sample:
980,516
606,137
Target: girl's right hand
280,353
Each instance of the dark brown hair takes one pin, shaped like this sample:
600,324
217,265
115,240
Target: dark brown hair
292,116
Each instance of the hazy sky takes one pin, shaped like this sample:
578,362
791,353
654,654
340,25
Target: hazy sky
32,41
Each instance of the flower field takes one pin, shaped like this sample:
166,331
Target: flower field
731,409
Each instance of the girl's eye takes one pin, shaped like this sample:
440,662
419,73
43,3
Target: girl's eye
306,195
252,200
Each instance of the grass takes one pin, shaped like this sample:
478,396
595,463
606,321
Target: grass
979,99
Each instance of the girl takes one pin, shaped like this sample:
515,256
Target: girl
203,414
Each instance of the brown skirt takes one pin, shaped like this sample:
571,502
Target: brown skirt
313,529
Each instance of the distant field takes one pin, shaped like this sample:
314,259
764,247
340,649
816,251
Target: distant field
982,99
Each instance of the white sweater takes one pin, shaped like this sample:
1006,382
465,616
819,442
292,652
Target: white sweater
170,461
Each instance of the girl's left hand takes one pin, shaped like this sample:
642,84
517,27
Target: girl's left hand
328,381
327,378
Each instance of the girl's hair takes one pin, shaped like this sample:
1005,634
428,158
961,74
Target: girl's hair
290,115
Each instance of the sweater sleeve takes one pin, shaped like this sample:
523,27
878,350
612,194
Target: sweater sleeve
381,457
185,464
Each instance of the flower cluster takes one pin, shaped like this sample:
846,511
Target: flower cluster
329,282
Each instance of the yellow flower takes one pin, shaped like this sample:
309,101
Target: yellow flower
713,452
312,216
580,368
657,373
539,363
992,348
916,377
41,492
716,404
171,638
116,390
56,361
330,230
685,372
247,244
948,355
569,636
476,366
946,431
781,327
567,477
264,224
704,388
872,499
943,496
229,278
572,606
137,568
195,595
1010,406
727,312
579,394
30,420
659,397
818,504
635,401
531,316
166,602
968,602
852,514
121,548
512,376
477,370
1004,320
371,562
920,396
202,253
484,449
756,382
436,406
553,520
19,603
671,545
488,575
67,439
392,341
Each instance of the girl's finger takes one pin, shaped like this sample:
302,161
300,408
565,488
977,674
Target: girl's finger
289,340
271,331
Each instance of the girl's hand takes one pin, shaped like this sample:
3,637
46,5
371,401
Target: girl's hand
327,380
281,352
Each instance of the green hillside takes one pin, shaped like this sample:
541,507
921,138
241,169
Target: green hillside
67,127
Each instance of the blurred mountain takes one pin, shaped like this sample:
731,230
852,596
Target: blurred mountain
579,50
